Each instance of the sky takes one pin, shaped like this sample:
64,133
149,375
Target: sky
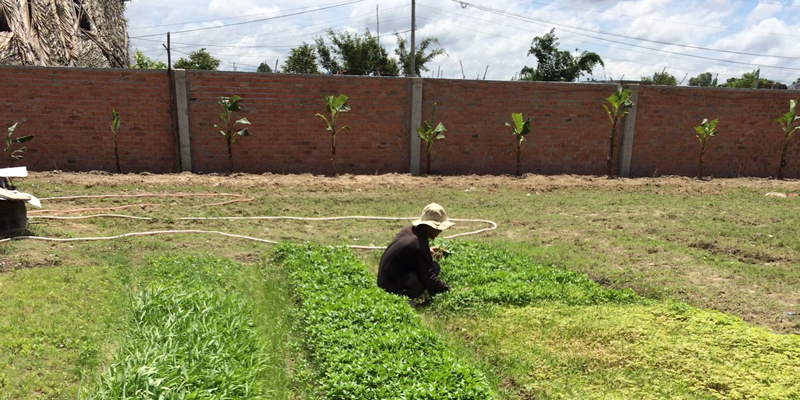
490,39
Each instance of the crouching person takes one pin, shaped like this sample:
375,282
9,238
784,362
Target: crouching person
407,266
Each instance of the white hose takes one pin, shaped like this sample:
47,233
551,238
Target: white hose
150,233
492,224
492,227
91,216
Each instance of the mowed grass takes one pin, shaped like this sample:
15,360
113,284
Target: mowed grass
57,328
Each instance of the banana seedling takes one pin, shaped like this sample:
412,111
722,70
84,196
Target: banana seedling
787,124
335,106
10,153
705,131
430,135
227,128
621,104
520,129
114,130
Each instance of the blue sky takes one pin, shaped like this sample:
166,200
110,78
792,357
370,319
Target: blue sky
635,38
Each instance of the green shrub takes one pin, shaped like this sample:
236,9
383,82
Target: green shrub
366,343
482,276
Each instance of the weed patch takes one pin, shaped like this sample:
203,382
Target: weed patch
358,335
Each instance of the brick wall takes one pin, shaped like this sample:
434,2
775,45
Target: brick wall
69,112
569,127
749,142
287,137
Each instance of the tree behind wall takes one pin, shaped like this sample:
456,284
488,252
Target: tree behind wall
302,60
661,78
354,54
705,79
199,59
141,61
264,68
421,58
748,80
556,65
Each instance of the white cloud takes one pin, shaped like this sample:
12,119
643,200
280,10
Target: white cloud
478,38
763,11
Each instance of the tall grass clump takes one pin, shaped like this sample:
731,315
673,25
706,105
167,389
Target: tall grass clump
366,343
189,338
482,276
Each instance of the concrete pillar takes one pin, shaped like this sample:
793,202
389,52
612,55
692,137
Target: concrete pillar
182,100
414,142
628,130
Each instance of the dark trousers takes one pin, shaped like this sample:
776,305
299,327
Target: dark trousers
410,285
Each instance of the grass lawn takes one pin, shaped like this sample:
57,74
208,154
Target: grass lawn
62,328
688,248
57,327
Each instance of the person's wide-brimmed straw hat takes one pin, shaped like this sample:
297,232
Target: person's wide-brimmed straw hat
434,216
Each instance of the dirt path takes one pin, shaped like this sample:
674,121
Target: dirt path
405,181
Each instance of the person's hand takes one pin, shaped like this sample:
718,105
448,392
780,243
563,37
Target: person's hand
438,253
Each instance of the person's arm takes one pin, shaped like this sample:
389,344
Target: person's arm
427,272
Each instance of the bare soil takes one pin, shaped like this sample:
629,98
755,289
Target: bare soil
541,183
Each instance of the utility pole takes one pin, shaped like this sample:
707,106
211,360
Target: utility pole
413,54
173,106
169,54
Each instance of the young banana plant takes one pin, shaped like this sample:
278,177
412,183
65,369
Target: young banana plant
430,135
335,106
12,154
705,131
519,129
114,130
621,104
787,124
227,128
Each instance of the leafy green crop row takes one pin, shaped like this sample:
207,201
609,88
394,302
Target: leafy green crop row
662,350
366,343
189,338
483,276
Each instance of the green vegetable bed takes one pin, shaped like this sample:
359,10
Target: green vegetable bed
190,337
553,334
366,343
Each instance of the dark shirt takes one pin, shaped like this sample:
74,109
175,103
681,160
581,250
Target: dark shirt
409,252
